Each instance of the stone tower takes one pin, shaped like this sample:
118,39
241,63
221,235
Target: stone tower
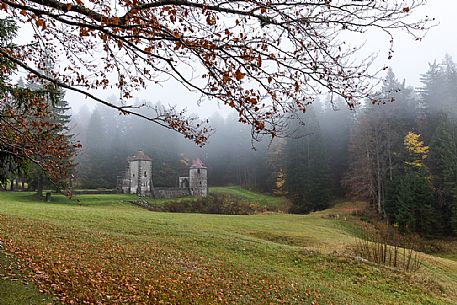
139,174
198,179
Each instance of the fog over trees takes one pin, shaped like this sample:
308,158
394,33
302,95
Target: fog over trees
307,120
399,154
242,152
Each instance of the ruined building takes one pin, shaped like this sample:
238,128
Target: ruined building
198,179
139,174
138,177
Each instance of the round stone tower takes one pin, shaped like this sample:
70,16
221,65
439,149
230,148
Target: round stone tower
140,174
198,179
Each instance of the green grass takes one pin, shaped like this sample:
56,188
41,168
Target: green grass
451,256
15,289
101,249
262,199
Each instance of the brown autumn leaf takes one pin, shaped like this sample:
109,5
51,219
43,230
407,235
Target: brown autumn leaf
211,20
40,23
239,75
133,26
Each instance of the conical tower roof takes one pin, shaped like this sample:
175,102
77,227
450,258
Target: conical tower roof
197,164
139,156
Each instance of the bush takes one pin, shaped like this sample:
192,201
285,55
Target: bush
212,204
385,246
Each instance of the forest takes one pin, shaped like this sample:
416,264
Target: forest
399,154
228,152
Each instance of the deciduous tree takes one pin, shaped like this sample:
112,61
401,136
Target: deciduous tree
27,129
265,59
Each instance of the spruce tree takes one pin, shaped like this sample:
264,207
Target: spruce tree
93,161
307,176
431,93
443,163
61,116
410,202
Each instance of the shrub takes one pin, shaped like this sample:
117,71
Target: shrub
212,204
387,247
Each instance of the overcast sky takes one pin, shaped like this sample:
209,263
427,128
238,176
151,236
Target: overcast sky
410,60
411,57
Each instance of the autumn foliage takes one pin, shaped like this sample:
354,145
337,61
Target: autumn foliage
27,134
265,59
29,130
98,268
416,148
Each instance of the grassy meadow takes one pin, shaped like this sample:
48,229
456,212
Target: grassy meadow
267,201
99,249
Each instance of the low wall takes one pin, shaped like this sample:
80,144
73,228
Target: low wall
94,192
170,192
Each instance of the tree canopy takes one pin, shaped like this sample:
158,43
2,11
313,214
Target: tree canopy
265,59
28,128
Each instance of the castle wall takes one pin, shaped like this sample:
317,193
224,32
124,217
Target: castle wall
170,192
125,186
138,180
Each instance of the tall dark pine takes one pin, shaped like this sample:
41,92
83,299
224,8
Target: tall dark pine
431,93
61,110
376,139
61,115
410,201
10,165
443,164
336,122
93,159
307,176
449,90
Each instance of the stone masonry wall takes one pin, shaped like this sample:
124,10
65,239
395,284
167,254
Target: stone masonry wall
170,192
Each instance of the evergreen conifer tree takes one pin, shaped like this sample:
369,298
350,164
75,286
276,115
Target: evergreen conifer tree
307,176
410,202
443,163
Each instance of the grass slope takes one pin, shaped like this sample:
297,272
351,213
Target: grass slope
103,250
15,289
262,199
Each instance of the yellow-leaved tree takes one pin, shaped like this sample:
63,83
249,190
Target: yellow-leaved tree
410,202
416,149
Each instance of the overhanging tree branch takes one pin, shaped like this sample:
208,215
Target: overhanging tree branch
265,59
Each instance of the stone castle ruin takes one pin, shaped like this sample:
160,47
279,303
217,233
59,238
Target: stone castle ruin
138,179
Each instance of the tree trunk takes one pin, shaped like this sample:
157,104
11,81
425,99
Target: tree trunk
378,182
389,152
39,190
378,174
